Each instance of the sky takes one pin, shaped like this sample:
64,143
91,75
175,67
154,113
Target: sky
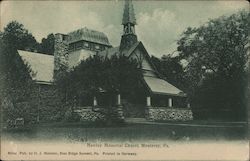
159,23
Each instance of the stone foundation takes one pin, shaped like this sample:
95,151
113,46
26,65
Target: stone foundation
87,114
120,113
171,114
99,114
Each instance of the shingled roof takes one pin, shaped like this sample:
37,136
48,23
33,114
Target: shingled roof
115,51
128,14
88,35
160,86
155,84
42,65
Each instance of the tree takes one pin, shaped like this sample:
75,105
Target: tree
171,69
47,45
117,74
217,55
16,84
16,36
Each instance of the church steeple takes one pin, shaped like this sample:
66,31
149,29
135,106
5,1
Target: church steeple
129,21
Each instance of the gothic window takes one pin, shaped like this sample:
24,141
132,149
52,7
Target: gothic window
133,29
125,29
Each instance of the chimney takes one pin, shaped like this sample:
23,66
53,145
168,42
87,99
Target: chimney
61,54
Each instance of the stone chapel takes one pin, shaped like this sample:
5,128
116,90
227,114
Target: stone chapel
161,101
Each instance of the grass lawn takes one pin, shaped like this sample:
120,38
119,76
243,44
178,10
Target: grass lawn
76,132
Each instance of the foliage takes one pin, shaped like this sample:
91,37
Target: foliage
95,74
18,37
71,116
171,69
16,84
47,45
217,56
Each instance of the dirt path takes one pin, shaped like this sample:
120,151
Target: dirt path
190,124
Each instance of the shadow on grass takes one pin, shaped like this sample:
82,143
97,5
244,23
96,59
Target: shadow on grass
99,131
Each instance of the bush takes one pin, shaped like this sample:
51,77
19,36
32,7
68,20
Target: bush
71,116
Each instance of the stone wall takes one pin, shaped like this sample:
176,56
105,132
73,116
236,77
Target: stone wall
61,54
46,103
171,114
99,114
87,114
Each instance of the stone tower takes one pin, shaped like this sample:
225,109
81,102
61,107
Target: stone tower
129,37
61,54
78,45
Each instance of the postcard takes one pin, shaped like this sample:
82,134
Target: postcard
124,80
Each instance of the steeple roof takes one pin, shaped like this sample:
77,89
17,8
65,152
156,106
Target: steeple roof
88,35
128,14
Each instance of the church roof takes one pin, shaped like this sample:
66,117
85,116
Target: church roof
115,51
42,65
128,14
129,51
109,52
155,84
160,86
88,35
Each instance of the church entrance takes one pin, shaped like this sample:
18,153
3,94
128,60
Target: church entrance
132,110
134,107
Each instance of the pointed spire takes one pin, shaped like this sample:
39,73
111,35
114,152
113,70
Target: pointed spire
128,14
129,37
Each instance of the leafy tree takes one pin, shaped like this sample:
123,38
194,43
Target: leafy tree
16,36
171,69
47,45
16,84
217,55
117,74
